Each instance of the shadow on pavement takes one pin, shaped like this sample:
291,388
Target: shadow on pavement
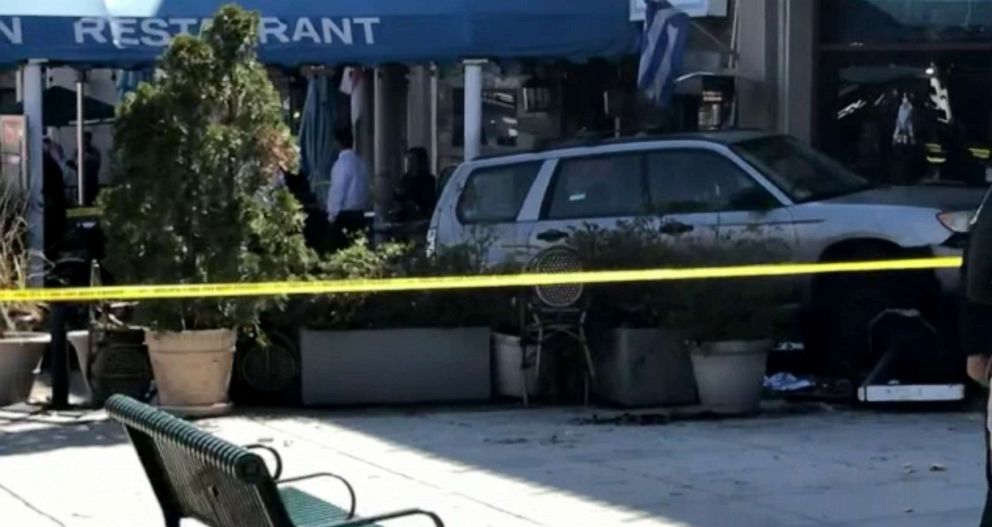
29,433
819,468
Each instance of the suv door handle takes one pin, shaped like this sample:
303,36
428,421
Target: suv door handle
675,228
553,235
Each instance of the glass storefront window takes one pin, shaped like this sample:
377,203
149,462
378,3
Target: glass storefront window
905,21
903,117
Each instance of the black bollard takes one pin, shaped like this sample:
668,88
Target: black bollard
59,360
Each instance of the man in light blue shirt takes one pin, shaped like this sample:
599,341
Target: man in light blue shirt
348,196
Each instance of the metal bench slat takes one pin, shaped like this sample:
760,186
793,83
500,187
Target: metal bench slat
307,510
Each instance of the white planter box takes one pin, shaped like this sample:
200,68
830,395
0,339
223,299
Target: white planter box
395,366
643,367
509,376
20,355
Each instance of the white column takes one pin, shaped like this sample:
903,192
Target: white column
19,86
382,151
435,72
473,108
80,118
32,92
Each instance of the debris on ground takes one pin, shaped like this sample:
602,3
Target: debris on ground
665,416
787,382
507,441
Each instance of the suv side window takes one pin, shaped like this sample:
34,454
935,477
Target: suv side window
692,181
597,187
496,194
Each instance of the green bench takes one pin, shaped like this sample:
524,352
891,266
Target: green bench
199,476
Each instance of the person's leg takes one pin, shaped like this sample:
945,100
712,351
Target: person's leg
337,238
354,224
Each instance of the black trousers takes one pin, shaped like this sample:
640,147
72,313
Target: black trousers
348,225
987,513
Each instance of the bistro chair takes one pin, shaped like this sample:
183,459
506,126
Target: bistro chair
554,312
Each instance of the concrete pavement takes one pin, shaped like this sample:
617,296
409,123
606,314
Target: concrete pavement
541,467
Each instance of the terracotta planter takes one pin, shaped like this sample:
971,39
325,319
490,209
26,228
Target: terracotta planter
192,369
730,375
20,355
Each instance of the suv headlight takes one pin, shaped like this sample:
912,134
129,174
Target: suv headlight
958,222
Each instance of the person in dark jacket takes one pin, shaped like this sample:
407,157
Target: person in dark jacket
92,161
975,319
416,193
53,193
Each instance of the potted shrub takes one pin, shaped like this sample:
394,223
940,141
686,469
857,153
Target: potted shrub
640,361
21,350
200,152
404,347
729,324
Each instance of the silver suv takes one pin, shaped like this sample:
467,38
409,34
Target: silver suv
706,186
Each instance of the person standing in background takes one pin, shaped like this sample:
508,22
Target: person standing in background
975,317
92,162
416,194
55,204
348,196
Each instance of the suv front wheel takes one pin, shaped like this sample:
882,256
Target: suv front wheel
846,306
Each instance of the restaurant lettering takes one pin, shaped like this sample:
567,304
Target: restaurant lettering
158,32
10,31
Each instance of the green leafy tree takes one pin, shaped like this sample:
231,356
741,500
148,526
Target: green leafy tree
200,152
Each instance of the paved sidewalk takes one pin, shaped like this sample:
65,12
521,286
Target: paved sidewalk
540,467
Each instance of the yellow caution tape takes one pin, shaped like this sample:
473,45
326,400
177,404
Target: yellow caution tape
981,153
145,292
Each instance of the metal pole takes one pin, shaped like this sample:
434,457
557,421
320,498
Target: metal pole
473,108
435,72
59,360
32,91
80,154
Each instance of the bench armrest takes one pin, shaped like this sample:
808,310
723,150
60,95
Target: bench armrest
392,516
275,454
351,490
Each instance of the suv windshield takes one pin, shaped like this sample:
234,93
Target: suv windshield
799,171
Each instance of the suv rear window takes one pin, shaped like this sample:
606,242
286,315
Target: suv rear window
496,194
597,187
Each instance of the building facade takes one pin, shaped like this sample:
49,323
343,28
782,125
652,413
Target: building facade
896,89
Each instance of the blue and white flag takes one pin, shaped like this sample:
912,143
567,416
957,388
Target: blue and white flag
666,30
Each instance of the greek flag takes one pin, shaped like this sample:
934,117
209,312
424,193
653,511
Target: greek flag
666,30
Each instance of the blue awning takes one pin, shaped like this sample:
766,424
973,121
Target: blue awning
122,33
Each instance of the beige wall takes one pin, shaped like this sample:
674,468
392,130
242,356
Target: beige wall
777,51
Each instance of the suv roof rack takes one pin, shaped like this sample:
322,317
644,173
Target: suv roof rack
603,139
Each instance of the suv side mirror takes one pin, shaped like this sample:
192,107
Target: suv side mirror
752,199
